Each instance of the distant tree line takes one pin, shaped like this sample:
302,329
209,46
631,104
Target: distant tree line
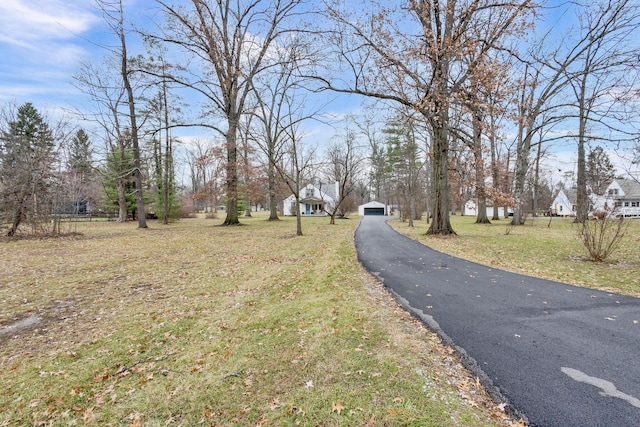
463,99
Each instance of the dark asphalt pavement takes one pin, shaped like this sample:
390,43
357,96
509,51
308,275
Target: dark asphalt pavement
560,355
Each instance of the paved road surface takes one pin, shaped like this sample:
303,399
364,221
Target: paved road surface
560,355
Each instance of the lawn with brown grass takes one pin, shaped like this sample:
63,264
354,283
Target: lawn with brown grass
543,247
194,324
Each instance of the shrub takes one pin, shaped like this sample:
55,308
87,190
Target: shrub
602,234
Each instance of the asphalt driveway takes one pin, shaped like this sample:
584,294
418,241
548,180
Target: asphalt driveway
558,354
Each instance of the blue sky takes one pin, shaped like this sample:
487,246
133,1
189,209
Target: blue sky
40,46
43,41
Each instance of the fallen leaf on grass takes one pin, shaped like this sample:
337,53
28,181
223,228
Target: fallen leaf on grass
337,407
294,410
275,404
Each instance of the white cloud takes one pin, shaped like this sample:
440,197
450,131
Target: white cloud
41,45
26,23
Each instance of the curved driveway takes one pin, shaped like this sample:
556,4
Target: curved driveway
558,354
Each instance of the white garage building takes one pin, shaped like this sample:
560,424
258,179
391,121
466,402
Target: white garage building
373,208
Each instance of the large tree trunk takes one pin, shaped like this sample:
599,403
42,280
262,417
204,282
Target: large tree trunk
168,160
232,174
495,173
582,205
273,200
522,166
479,164
137,173
412,210
298,218
17,219
440,203
536,180
482,204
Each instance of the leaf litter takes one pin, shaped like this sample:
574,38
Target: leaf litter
194,328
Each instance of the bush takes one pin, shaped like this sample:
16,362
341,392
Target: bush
602,234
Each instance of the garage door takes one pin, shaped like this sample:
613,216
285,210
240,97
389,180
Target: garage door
374,211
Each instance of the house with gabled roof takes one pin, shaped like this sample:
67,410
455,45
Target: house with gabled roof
314,200
564,204
623,194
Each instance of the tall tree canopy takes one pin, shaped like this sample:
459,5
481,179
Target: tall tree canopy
420,55
231,41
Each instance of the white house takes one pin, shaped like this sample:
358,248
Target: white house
623,194
374,208
471,208
313,201
564,203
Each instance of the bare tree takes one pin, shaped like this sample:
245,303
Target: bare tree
343,164
542,102
281,107
207,166
598,78
275,96
423,68
104,89
482,90
377,186
162,111
232,42
113,13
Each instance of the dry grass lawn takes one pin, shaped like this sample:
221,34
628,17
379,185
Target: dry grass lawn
541,248
194,324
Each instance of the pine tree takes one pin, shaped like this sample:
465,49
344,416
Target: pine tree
600,170
27,157
80,154
118,182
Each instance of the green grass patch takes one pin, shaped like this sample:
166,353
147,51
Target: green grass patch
542,248
194,324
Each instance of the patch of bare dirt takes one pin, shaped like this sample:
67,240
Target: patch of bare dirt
24,324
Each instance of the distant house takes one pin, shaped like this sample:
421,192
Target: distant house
564,204
622,194
471,208
313,200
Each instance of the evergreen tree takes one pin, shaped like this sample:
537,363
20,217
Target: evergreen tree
118,181
79,182
27,157
600,170
403,164
80,154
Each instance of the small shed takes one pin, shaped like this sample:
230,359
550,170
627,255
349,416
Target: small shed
372,208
